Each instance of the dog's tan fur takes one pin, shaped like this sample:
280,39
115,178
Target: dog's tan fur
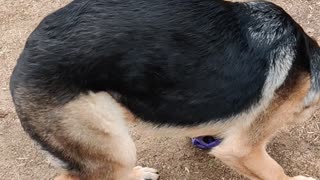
244,149
93,129
95,125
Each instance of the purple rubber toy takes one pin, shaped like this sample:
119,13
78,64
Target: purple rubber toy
205,142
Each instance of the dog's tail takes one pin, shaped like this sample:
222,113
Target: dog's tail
314,64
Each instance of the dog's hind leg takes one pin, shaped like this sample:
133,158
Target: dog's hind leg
95,134
243,148
89,138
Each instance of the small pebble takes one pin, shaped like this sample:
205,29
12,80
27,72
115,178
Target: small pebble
3,114
310,30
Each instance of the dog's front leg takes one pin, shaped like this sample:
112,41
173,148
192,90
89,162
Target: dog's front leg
251,161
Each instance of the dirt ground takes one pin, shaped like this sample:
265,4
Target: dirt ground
296,148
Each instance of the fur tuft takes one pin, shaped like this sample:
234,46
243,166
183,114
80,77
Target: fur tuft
314,57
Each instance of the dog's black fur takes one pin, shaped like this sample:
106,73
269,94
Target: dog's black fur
171,62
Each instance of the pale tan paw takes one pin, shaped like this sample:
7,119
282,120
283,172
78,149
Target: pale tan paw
66,177
302,178
144,173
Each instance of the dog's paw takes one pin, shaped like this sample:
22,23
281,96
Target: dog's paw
66,177
302,178
144,173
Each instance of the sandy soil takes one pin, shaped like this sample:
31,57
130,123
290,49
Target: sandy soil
296,148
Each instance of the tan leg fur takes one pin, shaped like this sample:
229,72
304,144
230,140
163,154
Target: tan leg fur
243,149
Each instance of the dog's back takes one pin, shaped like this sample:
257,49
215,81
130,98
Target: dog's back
162,56
178,63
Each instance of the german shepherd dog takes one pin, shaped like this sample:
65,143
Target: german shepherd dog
235,71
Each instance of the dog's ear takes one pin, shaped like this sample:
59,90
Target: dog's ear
314,64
